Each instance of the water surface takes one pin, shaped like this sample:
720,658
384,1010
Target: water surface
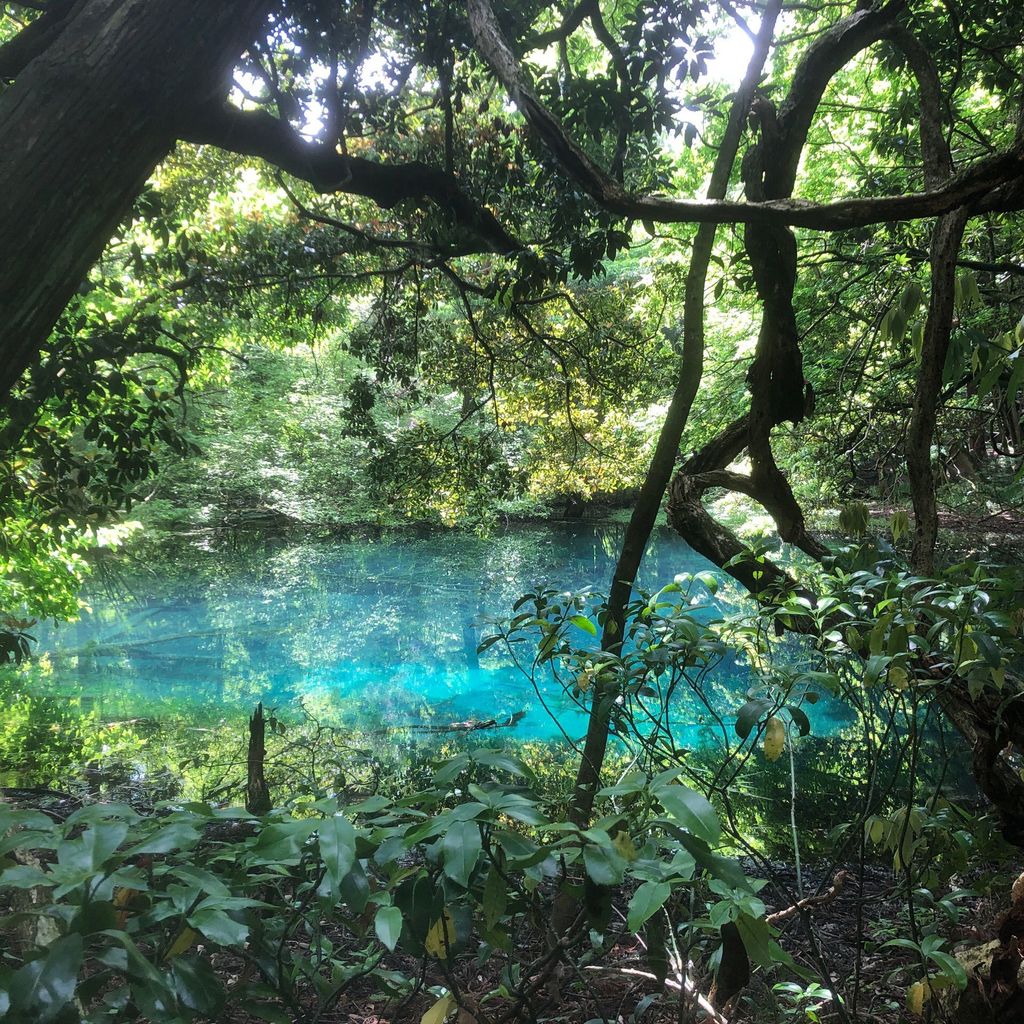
374,633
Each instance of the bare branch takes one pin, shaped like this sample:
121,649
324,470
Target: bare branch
559,34
991,184
255,133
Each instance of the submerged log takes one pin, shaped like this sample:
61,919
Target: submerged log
470,725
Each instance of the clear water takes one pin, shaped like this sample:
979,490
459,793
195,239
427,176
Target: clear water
372,633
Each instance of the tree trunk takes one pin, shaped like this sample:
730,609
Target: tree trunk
87,119
257,792
652,491
938,327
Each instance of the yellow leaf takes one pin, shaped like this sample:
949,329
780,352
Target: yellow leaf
123,897
968,651
624,846
184,940
898,677
917,995
441,936
437,1013
774,738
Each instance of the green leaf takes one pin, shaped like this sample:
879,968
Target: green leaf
94,916
749,715
522,809
218,927
503,762
756,937
495,898
657,951
41,989
800,720
337,848
24,876
282,843
950,967
355,888
725,868
647,900
692,810
710,581
388,926
460,850
604,865
176,836
197,986
92,848
584,623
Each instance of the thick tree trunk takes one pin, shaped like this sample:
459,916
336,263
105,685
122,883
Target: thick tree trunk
87,119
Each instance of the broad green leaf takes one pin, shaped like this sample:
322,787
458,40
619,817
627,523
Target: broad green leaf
197,986
176,836
692,810
283,843
495,898
219,927
950,967
584,623
460,850
604,865
388,926
800,720
43,988
756,938
647,900
337,848
89,851
749,715
503,762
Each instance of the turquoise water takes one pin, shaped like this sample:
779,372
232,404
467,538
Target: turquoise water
375,633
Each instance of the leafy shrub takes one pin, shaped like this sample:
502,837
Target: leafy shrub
182,914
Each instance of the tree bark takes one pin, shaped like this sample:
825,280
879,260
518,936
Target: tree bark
257,792
938,327
652,491
83,126
945,248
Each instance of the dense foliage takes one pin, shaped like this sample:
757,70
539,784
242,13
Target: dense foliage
755,264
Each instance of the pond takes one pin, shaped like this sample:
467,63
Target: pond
376,633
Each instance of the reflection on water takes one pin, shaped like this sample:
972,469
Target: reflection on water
368,632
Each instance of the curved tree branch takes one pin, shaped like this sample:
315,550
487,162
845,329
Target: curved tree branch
35,38
977,185
256,133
